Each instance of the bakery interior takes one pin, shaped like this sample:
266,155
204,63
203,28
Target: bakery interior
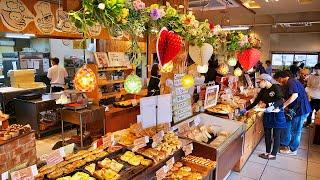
104,124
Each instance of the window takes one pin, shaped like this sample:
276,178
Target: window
286,59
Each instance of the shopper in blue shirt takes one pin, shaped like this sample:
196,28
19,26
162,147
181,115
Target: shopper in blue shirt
298,102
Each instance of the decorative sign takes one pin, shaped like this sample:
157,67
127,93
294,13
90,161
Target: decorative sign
188,149
95,30
182,108
157,138
211,98
101,59
15,15
64,24
26,173
44,19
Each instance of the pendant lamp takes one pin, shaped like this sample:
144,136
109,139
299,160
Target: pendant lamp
187,81
133,84
232,61
237,72
85,80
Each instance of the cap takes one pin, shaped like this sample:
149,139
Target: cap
268,78
317,66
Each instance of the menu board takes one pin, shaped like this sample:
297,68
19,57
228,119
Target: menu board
211,96
181,100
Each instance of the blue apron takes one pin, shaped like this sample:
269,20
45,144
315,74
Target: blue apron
274,120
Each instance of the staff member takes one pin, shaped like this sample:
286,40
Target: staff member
57,74
272,96
153,86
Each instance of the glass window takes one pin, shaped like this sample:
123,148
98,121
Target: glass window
311,60
287,59
277,59
300,57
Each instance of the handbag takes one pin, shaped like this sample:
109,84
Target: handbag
290,113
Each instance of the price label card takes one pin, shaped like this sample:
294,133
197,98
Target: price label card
108,140
139,141
5,176
170,163
183,110
182,116
183,127
26,173
161,173
197,121
139,146
55,157
181,98
157,138
180,91
188,149
181,105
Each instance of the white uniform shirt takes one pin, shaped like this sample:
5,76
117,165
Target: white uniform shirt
57,74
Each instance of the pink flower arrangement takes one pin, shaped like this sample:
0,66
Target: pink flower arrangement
138,5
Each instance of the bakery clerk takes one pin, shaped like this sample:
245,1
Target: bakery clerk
272,96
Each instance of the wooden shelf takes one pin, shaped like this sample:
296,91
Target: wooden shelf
106,82
114,69
112,94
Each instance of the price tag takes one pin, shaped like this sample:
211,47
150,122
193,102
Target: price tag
182,111
182,116
68,148
197,121
134,102
26,173
183,127
139,141
108,140
162,172
251,101
55,157
5,176
0,123
188,149
170,163
181,98
180,91
139,146
157,138
181,105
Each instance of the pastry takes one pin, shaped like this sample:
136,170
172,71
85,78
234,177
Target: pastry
65,178
55,174
127,156
146,162
90,158
91,168
185,168
105,163
115,166
109,174
101,154
135,161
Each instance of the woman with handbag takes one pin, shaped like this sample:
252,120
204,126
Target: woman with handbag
298,108
273,120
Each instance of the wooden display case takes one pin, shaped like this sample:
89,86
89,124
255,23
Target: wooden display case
97,94
252,138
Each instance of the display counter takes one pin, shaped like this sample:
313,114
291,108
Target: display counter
226,142
17,151
121,118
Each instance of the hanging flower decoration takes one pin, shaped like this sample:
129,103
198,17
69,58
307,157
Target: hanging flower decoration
232,61
187,81
133,84
237,72
85,80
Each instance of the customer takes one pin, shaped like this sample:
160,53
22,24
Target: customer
259,68
303,76
294,69
153,86
57,74
273,122
299,106
313,90
269,67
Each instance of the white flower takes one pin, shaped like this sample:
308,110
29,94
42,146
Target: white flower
101,6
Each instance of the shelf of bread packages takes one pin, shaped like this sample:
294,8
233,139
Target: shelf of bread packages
133,153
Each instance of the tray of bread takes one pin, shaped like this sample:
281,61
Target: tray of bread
77,174
13,131
181,170
126,103
221,109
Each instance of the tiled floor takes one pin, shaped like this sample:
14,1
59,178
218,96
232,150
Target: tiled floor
304,166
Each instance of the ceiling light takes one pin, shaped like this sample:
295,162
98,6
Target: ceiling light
235,28
251,4
271,1
19,36
305,1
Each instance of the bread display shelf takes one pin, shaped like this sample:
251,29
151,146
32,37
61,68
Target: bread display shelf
106,82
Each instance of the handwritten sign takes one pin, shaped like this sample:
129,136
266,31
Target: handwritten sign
197,121
188,149
157,138
26,173
181,100
140,143
54,157
162,172
170,163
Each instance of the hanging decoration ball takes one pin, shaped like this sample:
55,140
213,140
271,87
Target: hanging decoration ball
187,81
237,72
167,67
201,54
202,69
249,58
133,84
223,69
232,61
85,80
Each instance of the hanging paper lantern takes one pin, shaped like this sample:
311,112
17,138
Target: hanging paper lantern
249,58
169,45
202,69
133,84
85,80
201,55
187,81
167,67
223,69
237,72
232,61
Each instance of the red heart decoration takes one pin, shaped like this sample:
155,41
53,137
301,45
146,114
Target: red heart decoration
249,58
169,45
